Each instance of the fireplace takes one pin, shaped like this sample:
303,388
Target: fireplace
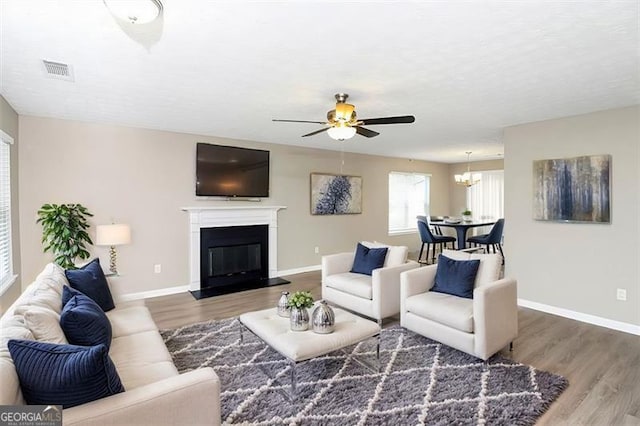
232,248
233,254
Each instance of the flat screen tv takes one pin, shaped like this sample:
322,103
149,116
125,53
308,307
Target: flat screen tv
229,171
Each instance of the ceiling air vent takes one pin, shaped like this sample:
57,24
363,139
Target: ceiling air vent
58,70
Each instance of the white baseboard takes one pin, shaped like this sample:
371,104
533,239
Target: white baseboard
152,293
579,316
311,268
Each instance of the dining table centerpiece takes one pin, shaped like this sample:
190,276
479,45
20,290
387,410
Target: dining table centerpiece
298,303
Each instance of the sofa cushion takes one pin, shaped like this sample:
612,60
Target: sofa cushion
126,320
455,277
52,276
490,265
452,311
64,375
42,296
91,281
367,259
355,284
11,327
396,255
141,358
83,321
44,324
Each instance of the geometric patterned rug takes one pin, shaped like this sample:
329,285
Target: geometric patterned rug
420,381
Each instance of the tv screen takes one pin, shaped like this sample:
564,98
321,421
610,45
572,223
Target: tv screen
228,171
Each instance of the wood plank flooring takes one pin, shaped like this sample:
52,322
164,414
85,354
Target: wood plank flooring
602,365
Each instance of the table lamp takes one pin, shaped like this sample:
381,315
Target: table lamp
113,235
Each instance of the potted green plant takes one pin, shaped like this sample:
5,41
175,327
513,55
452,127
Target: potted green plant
466,215
299,302
64,232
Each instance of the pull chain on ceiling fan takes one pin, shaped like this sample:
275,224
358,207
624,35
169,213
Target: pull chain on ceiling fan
343,124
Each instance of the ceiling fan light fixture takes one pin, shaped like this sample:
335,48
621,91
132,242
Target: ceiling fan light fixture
135,11
341,133
344,112
467,178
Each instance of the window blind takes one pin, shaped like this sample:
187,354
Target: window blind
6,272
486,198
408,198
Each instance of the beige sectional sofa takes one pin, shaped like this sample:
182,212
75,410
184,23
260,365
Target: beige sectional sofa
155,393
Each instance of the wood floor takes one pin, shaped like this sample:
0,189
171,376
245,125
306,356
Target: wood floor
602,365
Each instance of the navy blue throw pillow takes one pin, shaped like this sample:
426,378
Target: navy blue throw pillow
68,293
456,277
91,281
82,320
367,259
66,375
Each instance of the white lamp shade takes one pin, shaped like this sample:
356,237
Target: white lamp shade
113,235
341,132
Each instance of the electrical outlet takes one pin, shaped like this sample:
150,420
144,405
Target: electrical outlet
621,294
157,268
316,249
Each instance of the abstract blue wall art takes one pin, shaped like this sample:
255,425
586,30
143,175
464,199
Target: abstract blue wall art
573,189
335,194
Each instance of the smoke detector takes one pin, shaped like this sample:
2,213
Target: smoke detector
58,70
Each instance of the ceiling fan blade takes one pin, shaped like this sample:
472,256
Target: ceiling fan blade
366,132
388,120
316,132
301,121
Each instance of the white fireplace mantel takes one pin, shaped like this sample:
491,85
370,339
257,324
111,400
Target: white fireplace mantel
217,216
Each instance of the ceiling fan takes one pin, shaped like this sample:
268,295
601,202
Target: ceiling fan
342,122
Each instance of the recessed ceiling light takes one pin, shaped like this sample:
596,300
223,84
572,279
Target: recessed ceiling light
135,11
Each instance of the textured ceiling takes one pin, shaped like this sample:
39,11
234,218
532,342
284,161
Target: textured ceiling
226,68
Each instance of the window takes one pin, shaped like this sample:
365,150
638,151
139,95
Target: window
486,198
408,198
6,267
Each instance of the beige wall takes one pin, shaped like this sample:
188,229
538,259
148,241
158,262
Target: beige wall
9,125
458,193
568,265
143,178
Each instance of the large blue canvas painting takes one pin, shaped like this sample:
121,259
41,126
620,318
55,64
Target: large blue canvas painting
573,189
335,194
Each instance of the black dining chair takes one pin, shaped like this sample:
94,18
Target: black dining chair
429,239
491,240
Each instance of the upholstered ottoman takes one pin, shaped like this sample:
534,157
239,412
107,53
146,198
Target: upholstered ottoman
300,346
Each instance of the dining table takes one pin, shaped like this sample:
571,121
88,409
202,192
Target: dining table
462,227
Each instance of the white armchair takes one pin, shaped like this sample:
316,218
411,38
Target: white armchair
480,326
376,296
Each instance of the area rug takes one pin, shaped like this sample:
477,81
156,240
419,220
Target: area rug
420,381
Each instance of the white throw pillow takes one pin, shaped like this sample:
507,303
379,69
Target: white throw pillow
44,324
489,269
52,276
13,327
396,255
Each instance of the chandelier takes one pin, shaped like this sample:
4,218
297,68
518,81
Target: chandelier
467,178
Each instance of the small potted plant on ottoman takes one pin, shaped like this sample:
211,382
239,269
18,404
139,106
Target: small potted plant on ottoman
299,302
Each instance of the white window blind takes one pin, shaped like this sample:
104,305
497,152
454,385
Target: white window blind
6,272
408,198
486,198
